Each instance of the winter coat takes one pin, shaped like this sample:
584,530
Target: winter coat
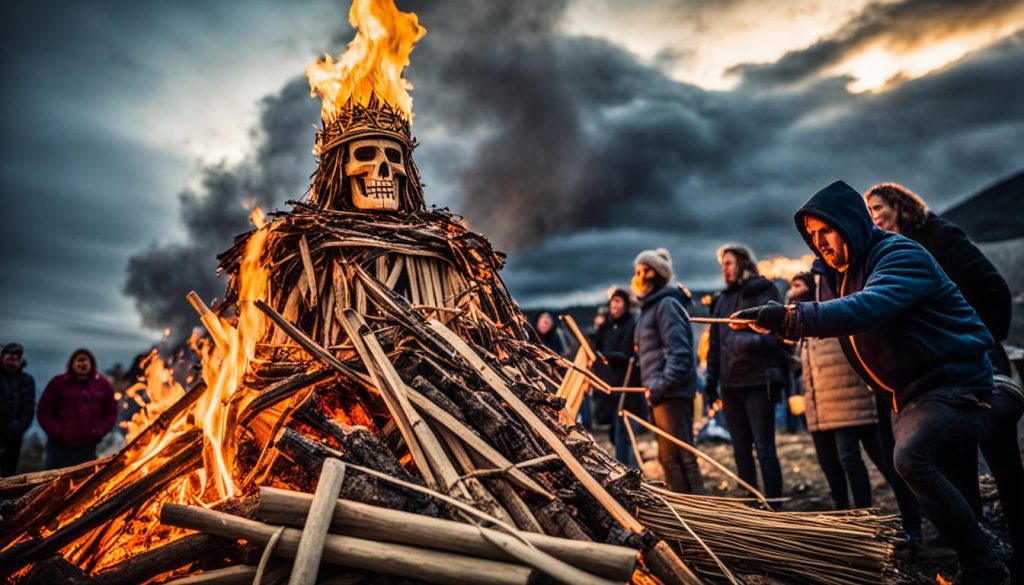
665,350
962,261
76,413
744,359
834,395
614,340
903,324
17,405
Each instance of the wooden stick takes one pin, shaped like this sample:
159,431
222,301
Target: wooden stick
670,566
279,506
311,545
26,481
307,269
723,320
208,318
543,562
439,466
698,453
481,447
389,558
580,338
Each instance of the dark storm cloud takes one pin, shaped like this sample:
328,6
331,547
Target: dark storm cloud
899,25
277,169
575,140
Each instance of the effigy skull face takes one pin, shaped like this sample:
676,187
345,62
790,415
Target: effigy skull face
375,168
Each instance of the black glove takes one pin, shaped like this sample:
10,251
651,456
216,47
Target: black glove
772,316
711,391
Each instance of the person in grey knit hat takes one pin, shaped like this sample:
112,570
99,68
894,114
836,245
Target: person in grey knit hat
668,365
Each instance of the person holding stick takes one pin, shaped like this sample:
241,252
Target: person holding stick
668,366
747,370
614,340
911,336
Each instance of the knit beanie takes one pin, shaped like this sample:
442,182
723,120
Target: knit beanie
659,260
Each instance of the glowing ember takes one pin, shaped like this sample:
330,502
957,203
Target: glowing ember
373,63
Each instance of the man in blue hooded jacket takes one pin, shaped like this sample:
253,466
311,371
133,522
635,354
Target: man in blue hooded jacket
908,332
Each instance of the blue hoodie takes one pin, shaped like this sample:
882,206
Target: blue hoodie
664,340
903,324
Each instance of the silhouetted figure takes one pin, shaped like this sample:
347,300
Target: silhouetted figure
17,406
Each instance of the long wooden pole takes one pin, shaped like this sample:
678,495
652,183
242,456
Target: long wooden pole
318,520
277,506
402,560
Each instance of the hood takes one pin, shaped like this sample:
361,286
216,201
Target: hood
842,207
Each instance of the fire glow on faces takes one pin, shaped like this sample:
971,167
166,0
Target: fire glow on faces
828,242
642,279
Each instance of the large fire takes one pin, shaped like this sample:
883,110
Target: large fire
373,63
371,68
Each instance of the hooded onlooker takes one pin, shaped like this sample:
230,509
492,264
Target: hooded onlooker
17,406
842,417
897,209
76,410
910,335
668,365
749,371
614,340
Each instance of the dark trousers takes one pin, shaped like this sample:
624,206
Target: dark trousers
1001,449
9,455
58,456
910,508
750,415
839,454
927,430
675,417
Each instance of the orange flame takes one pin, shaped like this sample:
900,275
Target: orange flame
161,389
226,362
940,580
373,63
784,268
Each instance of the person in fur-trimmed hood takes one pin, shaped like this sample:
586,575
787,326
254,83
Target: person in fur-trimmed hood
668,365
910,334
747,370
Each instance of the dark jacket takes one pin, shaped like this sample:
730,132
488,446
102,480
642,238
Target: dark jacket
614,339
903,324
664,342
744,359
17,405
76,413
962,261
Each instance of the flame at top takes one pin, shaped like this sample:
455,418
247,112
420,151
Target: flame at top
373,63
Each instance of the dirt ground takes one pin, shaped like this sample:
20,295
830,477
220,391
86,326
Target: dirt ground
804,485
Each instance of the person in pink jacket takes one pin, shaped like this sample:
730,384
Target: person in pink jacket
76,410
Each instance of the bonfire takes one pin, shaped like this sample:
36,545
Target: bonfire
372,404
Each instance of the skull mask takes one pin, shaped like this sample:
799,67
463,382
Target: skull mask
375,169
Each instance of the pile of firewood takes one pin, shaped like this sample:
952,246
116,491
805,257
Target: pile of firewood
422,380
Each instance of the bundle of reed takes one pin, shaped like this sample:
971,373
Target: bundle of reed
832,548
